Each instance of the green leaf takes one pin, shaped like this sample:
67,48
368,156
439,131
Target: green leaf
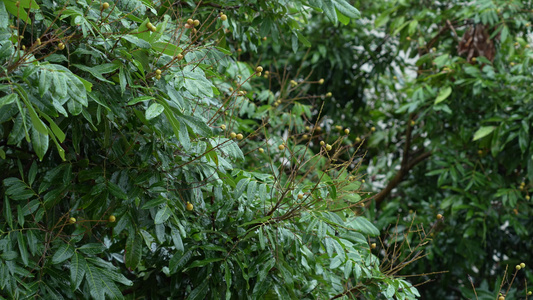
64,252
133,251
329,9
201,263
154,110
303,39
140,99
364,226
347,9
137,42
8,99
23,250
116,191
200,291
167,48
39,142
4,18
483,131
92,248
94,278
162,215
77,270
443,94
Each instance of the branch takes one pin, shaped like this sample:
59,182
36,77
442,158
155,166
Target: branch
406,167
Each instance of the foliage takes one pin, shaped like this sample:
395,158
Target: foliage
124,169
447,88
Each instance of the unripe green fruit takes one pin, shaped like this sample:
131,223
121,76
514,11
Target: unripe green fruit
60,46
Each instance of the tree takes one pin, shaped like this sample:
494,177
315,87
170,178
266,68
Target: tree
439,95
138,152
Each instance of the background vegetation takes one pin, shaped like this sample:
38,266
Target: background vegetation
279,149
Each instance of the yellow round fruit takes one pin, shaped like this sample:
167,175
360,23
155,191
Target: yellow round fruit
158,77
307,128
329,94
190,21
190,207
196,23
439,216
522,265
264,38
347,131
373,129
180,56
233,135
528,197
322,143
305,136
38,41
223,127
105,5
338,127
518,267
357,139
223,17
158,72
373,246
281,147
413,122
259,69
300,196
328,147
240,136
529,293
23,47
112,219
72,220
321,81
501,298
60,46
363,181
261,150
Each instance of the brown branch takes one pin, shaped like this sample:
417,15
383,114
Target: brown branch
398,178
